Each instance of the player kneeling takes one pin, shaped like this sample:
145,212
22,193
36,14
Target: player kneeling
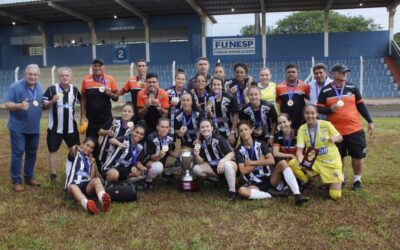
80,180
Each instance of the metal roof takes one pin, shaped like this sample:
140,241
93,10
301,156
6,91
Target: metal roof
103,9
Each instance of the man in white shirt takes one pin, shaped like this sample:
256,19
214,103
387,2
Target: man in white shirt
321,79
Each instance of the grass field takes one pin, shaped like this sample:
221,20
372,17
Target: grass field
40,218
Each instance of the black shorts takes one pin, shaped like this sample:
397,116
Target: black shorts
54,140
354,145
264,185
82,186
124,173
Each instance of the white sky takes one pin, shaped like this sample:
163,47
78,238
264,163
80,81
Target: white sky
230,25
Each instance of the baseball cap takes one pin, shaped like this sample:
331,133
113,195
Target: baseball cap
98,61
340,67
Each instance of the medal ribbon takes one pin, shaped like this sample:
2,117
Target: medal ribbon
287,144
184,118
162,141
240,94
32,93
291,93
135,153
339,95
101,80
257,117
312,140
252,151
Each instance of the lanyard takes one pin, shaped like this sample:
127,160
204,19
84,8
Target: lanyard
32,93
291,93
163,141
240,93
186,123
135,153
312,140
339,95
288,144
257,116
252,151
102,80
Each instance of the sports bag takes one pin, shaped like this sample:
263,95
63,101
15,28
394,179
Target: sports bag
122,191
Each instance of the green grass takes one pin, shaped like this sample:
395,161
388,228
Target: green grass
40,218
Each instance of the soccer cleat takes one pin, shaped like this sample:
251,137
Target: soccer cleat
106,201
91,207
357,186
231,196
299,200
169,178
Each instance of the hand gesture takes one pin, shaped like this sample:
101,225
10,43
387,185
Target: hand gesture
25,104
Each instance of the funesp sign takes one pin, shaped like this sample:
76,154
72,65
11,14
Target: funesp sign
234,46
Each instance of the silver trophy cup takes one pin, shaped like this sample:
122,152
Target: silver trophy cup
188,181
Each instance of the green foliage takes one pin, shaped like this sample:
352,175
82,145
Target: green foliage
397,38
248,30
313,22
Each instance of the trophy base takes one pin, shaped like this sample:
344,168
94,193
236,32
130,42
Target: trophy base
189,186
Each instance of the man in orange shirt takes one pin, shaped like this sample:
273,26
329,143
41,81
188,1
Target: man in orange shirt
152,102
97,90
342,102
291,95
135,84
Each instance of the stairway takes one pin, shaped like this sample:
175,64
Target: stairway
394,69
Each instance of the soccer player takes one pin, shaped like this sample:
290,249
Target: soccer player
223,110
255,164
239,84
80,181
202,67
261,114
200,93
61,98
322,136
215,157
114,128
292,94
342,102
160,146
153,102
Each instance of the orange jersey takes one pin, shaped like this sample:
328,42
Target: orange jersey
346,119
162,96
133,84
89,82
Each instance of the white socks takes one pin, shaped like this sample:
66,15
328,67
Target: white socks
84,203
100,196
291,180
258,195
230,175
357,178
154,171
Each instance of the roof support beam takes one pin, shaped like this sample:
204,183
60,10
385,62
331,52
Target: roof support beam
328,4
262,6
90,21
392,12
200,11
394,4
145,20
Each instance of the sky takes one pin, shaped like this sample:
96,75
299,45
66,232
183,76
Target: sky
230,25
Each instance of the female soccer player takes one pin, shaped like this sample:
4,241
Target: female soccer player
238,86
80,179
223,110
215,157
268,88
284,148
255,163
113,128
187,121
200,93
322,136
261,114
126,160
175,93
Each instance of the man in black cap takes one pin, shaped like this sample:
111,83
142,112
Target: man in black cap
97,91
342,102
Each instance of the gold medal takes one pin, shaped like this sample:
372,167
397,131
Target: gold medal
340,103
102,89
183,129
165,148
290,103
175,99
60,95
311,155
35,103
133,170
209,103
130,124
197,146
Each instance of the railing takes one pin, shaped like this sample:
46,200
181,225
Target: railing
53,78
362,75
16,71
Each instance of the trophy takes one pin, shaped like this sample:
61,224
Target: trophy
188,182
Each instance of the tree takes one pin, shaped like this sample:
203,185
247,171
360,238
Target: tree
313,22
397,38
248,30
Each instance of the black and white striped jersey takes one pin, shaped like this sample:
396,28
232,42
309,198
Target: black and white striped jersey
192,123
122,158
254,153
77,170
62,113
173,110
155,143
223,111
214,149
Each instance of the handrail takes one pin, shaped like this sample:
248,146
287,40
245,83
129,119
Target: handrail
53,78
131,69
16,73
362,75
173,72
396,48
311,75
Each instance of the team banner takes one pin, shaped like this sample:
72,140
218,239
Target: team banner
234,46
